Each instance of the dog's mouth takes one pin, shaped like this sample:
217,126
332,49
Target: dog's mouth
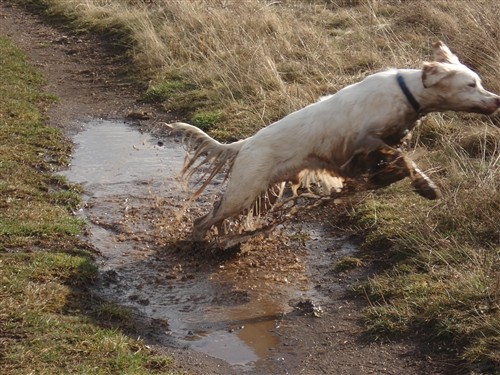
485,110
495,107
493,111
488,112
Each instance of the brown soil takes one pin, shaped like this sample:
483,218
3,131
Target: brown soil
89,77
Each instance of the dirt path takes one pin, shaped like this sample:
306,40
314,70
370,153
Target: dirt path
276,306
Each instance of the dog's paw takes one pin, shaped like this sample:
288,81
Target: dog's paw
426,188
387,177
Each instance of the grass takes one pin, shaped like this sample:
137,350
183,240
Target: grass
441,274
251,62
163,91
48,322
29,151
347,263
206,120
256,61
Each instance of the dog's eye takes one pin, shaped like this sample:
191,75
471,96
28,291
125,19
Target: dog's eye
472,84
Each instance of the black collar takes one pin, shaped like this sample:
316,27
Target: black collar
408,94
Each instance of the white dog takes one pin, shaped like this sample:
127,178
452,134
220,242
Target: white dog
355,131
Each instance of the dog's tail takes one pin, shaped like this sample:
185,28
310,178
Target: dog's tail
204,154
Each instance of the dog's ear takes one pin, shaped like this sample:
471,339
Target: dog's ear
443,54
434,72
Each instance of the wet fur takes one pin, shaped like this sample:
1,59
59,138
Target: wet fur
355,131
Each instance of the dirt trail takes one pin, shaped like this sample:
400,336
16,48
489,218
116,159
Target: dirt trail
276,306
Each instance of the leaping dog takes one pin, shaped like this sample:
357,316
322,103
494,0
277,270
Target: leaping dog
357,130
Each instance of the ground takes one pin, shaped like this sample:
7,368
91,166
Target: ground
281,299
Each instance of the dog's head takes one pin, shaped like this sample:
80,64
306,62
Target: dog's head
454,86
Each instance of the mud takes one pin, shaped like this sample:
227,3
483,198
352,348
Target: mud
125,175
213,306
275,305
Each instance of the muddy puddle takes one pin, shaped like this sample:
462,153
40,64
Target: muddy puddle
228,305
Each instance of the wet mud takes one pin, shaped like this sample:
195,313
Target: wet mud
225,303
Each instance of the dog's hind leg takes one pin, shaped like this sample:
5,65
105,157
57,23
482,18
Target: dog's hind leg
202,224
389,165
241,193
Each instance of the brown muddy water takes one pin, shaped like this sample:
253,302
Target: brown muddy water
227,305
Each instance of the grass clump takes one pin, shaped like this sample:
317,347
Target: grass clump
45,310
206,120
347,263
113,313
163,91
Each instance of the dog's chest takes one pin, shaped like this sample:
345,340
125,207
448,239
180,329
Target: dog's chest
394,135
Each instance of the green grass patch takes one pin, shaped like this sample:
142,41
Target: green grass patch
206,120
29,152
46,326
163,91
47,318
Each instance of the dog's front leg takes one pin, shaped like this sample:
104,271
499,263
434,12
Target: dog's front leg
388,165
